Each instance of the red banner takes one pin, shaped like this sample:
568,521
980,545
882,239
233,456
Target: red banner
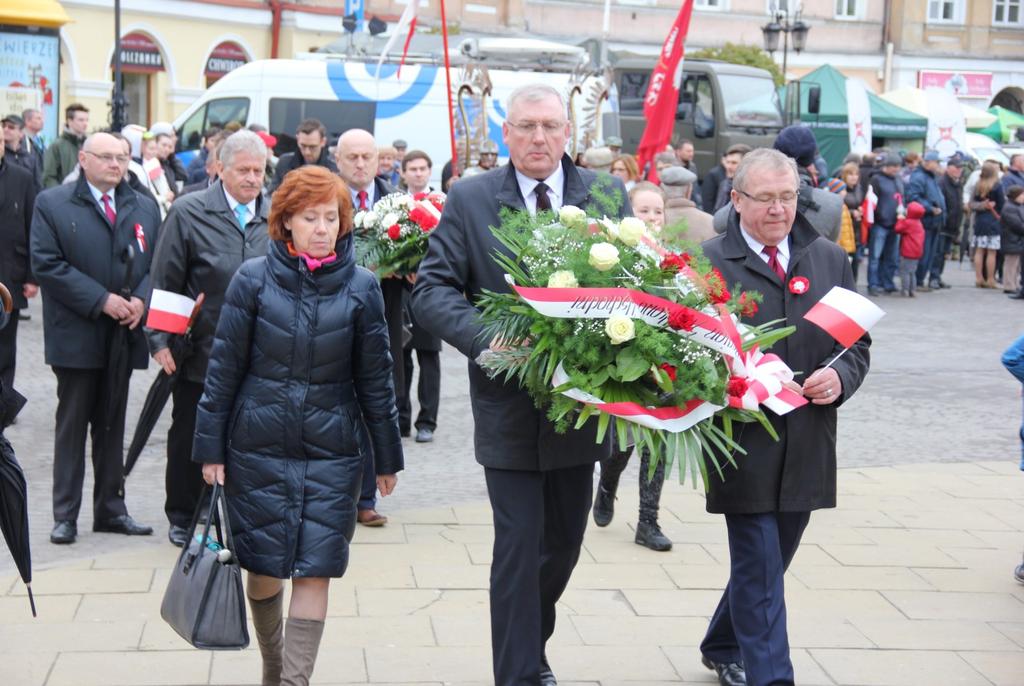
662,97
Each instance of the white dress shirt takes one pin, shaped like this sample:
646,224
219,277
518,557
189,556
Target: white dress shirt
98,194
555,184
758,249
250,207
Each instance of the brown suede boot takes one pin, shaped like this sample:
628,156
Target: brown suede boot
268,622
301,643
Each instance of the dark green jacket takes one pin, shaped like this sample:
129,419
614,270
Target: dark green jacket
60,159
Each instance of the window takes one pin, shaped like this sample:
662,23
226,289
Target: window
945,11
338,116
709,4
214,113
847,9
1008,12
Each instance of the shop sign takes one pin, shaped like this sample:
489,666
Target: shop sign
29,73
226,57
963,84
140,54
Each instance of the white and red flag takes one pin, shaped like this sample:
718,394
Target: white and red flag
169,311
407,22
662,97
845,315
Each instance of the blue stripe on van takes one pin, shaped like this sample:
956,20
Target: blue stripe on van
386,109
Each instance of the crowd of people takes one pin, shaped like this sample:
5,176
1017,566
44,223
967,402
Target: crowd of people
297,390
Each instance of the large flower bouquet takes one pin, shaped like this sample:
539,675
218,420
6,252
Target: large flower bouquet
604,322
393,234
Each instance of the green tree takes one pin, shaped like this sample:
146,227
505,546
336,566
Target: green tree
750,55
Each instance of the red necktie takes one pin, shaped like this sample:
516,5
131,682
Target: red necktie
362,195
543,201
772,251
108,209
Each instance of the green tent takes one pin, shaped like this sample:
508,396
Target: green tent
1005,125
831,124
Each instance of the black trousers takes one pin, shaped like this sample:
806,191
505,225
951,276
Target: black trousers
183,478
749,624
82,411
8,351
539,520
428,389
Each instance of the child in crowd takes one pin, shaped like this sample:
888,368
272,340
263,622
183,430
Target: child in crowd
648,203
911,232
1011,241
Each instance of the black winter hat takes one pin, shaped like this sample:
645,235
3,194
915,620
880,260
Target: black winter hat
797,142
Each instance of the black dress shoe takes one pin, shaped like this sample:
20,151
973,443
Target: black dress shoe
1016,296
547,677
424,435
729,673
649,535
64,532
604,506
178,535
122,525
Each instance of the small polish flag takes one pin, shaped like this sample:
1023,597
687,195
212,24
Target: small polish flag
845,315
169,312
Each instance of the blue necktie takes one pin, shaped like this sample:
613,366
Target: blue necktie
241,212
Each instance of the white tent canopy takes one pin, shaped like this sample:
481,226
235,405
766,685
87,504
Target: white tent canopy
916,100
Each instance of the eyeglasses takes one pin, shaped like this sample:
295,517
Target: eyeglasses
107,159
786,199
528,127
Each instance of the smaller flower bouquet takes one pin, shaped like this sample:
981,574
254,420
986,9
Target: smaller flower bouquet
393,234
603,322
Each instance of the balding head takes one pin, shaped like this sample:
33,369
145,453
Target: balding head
104,161
356,156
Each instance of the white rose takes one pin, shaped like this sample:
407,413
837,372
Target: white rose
603,256
631,230
358,219
610,228
562,279
369,219
390,219
619,329
572,217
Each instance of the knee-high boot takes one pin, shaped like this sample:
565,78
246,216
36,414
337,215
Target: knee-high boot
648,533
301,644
267,620
611,470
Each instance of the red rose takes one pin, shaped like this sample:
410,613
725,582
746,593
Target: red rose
748,306
737,386
682,318
394,232
424,219
420,196
799,285
670,370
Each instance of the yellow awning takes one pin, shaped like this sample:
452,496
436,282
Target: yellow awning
46,13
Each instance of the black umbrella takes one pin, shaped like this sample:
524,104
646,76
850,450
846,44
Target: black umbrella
119,359
14,515
181,349
11,401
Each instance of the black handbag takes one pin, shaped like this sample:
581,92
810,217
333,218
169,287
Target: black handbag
205,601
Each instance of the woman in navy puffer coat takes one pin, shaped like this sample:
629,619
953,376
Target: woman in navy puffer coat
299,375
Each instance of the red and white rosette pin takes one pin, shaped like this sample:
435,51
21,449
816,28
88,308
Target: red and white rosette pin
140,237
759,379
799,285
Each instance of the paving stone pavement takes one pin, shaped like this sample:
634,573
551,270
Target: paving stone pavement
908,581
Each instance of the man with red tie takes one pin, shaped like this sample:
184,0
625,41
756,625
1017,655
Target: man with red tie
82,236
356,156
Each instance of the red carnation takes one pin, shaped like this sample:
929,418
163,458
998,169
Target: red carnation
394,231
748,306
670,370
737,386
424,219
421,196
717,292
682,318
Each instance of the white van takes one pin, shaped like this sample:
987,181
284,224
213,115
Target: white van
344,95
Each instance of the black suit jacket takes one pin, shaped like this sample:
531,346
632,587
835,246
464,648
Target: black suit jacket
17,198
294,160
510,432
798,472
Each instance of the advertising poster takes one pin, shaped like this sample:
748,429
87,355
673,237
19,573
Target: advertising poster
29,73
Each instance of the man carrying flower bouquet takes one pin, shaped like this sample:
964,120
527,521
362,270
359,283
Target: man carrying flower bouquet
769,247
539,481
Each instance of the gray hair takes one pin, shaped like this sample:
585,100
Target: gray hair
668,158
766,158
535,92
241,141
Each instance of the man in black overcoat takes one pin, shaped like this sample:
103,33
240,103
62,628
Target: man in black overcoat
81,233
539,482
204,240
311,139
17,198
768,499
356,158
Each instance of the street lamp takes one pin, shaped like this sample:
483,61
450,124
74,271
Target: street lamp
781,24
